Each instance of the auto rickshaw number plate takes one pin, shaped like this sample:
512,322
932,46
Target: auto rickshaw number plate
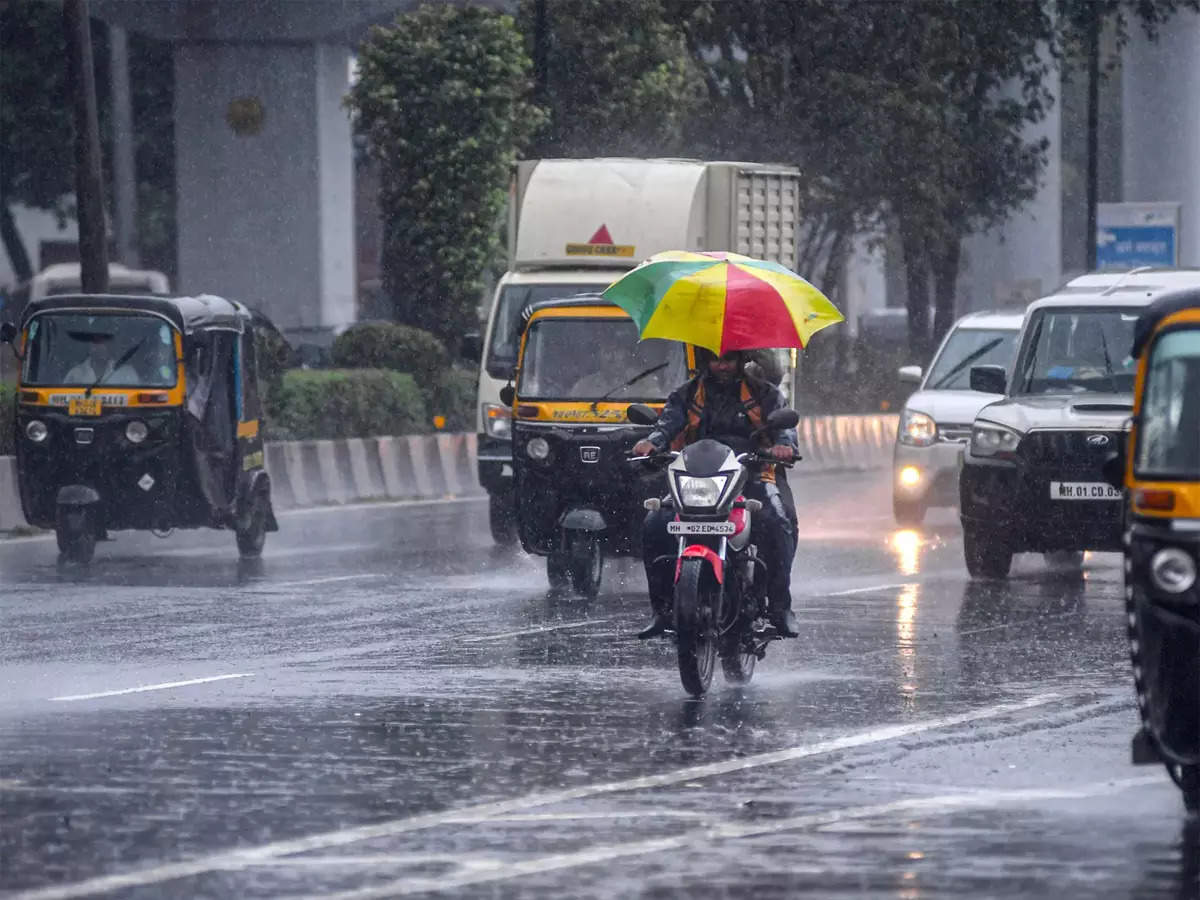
726,527
84,406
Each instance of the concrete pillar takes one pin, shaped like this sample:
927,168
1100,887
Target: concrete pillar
1161,124
265,179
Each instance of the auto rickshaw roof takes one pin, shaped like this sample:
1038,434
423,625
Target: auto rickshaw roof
188,314
573,302
1152,316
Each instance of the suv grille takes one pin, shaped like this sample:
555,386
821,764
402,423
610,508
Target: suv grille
954,433
1081,449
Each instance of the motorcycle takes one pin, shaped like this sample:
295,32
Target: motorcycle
720,599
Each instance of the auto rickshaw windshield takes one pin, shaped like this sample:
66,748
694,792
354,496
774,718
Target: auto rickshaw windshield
593,359
1169,429
78,350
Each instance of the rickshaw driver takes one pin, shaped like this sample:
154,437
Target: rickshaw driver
99,364
731,403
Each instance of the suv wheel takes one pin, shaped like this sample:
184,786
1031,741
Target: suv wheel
985,552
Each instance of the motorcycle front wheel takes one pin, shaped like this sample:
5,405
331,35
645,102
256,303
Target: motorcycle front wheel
697,611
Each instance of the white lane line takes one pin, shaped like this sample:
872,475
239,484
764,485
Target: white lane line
539,630
233,860
873,587
153,687
329,579
483,870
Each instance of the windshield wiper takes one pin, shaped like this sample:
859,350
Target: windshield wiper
125,357
966,361
634,380
1108,369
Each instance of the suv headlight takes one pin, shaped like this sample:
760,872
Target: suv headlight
994,440
1172,570
497,421
695,491
917,429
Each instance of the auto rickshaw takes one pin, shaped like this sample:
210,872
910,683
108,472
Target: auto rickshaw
139,412
1160,470
579,368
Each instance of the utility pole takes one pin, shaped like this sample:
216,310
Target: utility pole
124,168
89,181
1093,128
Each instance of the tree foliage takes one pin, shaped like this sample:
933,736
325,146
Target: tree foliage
442,99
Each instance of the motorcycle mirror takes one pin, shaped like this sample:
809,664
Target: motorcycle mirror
641,414
783,418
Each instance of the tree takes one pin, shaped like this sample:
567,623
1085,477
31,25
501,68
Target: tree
442,99
615,77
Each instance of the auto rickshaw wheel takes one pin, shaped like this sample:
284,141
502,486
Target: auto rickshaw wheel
1188,779
502,518
250,539
586,563
75,531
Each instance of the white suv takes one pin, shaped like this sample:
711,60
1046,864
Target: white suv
935,423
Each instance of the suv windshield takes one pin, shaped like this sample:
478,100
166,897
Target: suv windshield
506,328
1169,430
1078,350
74,350
591,359
968,347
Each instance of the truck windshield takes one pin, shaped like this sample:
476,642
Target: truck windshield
968,347
1169,429
593,359
1076,351
506,325
74,350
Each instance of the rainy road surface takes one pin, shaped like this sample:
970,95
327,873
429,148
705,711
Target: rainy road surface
385,705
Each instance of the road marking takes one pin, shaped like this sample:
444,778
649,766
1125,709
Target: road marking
153,687
329,579
873,587
486,870
540,630
233,860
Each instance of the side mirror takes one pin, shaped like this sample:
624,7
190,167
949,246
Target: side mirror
783,418
989,379
471,347
508,394
641,414
1113,469
910,374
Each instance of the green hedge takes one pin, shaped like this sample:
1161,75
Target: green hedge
336,403
6,419
452,395
389,345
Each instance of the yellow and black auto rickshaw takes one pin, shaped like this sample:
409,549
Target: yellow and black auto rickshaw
1161,475
580,366
139,413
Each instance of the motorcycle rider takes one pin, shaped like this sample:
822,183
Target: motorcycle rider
723,400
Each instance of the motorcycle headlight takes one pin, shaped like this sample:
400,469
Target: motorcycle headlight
497,421
538,448
1172,570
696,491
917,429
136,431
993,440
37,431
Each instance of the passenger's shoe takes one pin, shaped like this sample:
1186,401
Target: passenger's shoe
785,623
660,624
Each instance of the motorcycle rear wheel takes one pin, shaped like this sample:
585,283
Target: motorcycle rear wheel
697,610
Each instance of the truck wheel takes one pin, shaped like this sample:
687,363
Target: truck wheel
502,518
908,513
985,552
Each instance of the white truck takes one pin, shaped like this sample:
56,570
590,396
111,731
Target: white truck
576,225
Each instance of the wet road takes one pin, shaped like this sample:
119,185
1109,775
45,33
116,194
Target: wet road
386,705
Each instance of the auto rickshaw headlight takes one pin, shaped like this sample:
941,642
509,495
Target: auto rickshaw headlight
37,431
538,448
136,431
1173,570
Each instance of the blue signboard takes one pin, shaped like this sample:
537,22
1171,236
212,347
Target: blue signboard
1128,246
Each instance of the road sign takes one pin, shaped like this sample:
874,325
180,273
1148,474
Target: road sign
1137,234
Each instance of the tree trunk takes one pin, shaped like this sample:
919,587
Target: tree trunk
945,280
916,279
14,246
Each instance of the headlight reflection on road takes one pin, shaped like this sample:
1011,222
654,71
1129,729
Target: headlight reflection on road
906,633
907,547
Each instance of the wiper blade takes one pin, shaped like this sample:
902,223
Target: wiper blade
966,361
1108,369
125,357
634,380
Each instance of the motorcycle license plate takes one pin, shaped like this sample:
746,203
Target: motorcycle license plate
84,406
1083,490
701,527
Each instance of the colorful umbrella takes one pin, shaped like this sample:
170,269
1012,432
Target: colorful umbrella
723,301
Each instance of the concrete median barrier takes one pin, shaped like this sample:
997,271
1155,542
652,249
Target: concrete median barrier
432,467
